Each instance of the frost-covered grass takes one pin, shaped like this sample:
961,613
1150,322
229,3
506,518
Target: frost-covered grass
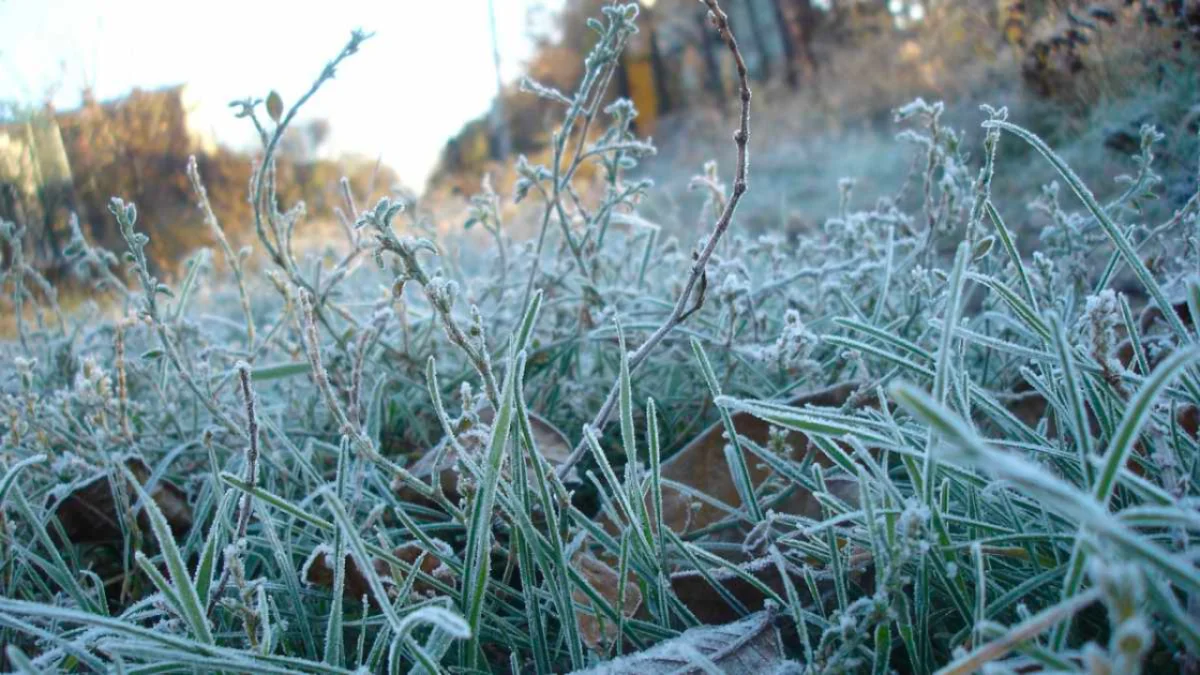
1018,439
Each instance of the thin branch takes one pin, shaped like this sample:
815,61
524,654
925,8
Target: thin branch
243,522
682,310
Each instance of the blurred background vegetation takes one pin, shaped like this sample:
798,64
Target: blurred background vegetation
828,75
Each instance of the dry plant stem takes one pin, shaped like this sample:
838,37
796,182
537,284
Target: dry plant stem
186,375
251,448
125,218
263,187
478,358
561,180
235,262
15,238
1032,627
49,294
681,310
243,523
122,385
342,269
361,348
362,443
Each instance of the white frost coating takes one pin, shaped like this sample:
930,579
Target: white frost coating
321,551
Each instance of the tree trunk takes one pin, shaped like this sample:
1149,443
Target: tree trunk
500,131
760,42
659,68
806,23
712,67
789,44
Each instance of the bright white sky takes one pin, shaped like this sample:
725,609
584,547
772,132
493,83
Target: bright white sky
426,72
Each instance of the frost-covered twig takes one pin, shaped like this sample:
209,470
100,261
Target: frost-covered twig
243,522
234,260
685,305
439,291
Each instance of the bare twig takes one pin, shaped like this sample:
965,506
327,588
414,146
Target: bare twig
263,194
231,258
243,523
251,448
682,310
1022,632
122,385
439,293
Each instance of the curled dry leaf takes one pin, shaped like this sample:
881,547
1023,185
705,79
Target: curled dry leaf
1028,405
318,571
706,602
89,512
597,630
700,465
751,645
441,460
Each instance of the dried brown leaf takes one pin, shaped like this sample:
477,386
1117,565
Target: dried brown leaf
597,630
318,571
701,466
551,444
88,513
751,645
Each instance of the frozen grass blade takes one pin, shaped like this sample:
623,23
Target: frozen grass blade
1076,413
193,612
478,553
10,476
555,567
333,652
206,567
22,663
1128,254
1137,415
1014,256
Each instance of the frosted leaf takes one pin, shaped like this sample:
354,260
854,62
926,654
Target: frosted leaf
751,645
795,345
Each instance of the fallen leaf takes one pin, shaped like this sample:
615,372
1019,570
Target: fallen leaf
701,466
431,564
1153,315
318,571
441,460
597,630
708,605
88,512
751,645
1188,417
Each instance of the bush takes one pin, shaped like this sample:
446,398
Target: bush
916,460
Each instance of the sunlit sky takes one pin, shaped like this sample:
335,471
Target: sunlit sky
427,70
